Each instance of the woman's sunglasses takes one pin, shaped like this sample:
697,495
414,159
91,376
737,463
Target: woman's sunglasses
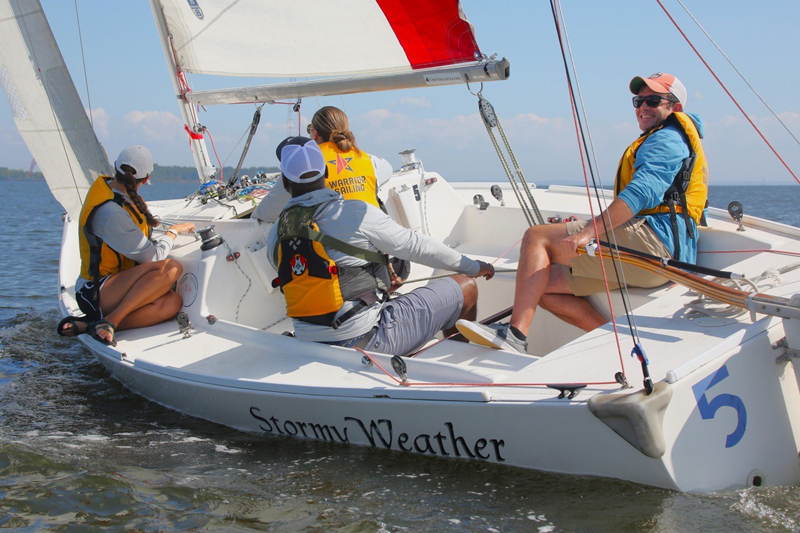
652,100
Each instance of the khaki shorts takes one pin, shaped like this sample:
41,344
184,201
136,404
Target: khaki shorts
585,277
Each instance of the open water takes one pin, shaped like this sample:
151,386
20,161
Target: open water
79,452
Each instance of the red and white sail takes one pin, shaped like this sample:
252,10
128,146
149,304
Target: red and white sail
307,38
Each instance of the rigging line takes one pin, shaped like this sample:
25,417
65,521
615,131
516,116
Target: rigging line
50,101
737,71
581,148
601,199
85,72
246,130
724,88
490,384
214,147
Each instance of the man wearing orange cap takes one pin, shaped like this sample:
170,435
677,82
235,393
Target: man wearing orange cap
660,195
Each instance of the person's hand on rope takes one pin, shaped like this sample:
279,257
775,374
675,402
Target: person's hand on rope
177,229
396,281
487,270
569,245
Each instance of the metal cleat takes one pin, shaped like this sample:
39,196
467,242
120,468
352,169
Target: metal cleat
184,324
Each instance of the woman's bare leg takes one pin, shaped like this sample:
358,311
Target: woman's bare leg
139,296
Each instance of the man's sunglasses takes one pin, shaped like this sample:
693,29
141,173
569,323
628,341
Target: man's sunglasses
652,100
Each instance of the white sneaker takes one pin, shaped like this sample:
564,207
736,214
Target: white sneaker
497,336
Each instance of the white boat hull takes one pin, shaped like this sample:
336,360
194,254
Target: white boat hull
466,402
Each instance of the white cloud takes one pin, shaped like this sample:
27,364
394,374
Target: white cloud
419,103
161,126
790,118
731,120
100,117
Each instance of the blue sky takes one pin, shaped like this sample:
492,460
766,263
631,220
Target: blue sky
612,40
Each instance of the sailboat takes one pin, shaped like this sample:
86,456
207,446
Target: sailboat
722,411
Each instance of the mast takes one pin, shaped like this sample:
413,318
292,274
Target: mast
205,169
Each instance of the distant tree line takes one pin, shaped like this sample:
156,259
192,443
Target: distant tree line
161,173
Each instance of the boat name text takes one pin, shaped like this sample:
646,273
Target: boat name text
381,434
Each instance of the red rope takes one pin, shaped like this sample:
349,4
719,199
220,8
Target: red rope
573,105
727,91
213,147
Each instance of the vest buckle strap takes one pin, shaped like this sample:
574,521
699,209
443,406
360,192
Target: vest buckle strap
359,341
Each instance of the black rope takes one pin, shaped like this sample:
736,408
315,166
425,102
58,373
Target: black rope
553,8
674,263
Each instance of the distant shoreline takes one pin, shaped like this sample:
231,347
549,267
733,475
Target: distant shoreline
171,174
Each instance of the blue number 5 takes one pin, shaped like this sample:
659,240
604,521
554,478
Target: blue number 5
709,409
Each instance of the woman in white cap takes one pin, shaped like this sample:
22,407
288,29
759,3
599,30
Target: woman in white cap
126,279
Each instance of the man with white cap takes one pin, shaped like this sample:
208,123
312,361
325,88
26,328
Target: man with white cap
660,195
329,254
126,279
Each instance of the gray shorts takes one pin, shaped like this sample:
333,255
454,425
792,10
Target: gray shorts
409,321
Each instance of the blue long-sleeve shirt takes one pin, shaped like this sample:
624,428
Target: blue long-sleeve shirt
657,163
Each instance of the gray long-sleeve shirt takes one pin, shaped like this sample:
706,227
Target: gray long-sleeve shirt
367,227
114,225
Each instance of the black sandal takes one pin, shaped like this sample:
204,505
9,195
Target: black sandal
104,325
73,321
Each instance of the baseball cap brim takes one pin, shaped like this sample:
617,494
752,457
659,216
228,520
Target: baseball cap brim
638,82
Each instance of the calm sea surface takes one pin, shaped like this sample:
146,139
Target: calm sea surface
78,451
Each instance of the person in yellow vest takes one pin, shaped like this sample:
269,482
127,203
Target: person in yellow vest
126,279
356,175
660,196
353,173
330,257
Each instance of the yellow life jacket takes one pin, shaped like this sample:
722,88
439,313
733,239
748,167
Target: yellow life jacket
315,286
350,174
97,259
689,191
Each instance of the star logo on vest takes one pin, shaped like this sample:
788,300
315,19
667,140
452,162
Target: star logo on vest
342,163
299,265
294,243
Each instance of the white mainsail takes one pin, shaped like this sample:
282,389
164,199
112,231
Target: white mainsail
316,37
45,104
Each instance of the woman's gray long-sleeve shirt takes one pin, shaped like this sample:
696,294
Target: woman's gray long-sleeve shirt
114,225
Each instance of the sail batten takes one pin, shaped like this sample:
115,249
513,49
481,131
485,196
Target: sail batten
45,104
311,38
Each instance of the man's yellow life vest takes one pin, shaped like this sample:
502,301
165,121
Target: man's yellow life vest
689,191
97,259
350,174
316,287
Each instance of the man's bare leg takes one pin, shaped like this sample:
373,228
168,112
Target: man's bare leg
470,309
541,247
576,310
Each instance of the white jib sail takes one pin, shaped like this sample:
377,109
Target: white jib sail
45,104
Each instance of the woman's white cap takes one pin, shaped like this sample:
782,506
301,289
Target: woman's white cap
138,158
